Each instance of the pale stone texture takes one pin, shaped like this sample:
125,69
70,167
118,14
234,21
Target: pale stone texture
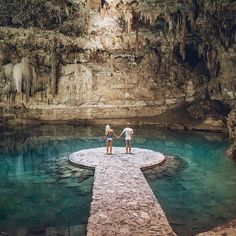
107,78
231,121
105,71
123,203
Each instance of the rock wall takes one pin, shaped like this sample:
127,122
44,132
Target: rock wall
115,59
232,134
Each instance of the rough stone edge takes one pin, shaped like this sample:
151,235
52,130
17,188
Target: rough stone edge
93,167
154,165
80,165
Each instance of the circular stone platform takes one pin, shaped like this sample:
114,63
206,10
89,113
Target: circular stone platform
140,158
123,202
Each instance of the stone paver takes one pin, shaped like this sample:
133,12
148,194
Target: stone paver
123,203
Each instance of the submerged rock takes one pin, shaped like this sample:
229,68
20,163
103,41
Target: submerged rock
171,167
225,229
73,184
63,172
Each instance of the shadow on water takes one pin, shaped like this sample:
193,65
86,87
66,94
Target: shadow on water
41,194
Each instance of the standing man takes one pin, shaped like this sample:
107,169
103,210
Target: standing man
128,138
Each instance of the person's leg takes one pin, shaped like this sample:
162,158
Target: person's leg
126,146
129,146
110,147
107,146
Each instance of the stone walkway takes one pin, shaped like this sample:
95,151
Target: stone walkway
123,203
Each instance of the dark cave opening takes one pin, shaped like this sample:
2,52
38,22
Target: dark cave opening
196,61
191,56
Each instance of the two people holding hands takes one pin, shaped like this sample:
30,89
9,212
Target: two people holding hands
128,138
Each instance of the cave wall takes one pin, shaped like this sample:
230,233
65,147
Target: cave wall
114,59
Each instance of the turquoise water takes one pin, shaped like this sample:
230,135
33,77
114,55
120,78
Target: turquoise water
202,195
34,196
37,195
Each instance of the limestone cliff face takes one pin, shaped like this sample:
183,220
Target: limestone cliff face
232,134
114,59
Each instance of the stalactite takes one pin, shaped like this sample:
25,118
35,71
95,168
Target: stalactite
170,24
87,21
215,51
200,50
141,42
154,61
128,19
171,39
137,39
88,6
191,20
8,70
102,3
45,90
214,61
27,76
183,31
143,17
102,13
113,3
2,76
150,17
5,79
209,59
182,38
182,50
4,50
65,8
34,80
1,58
18,76
54,66
178,30
102,8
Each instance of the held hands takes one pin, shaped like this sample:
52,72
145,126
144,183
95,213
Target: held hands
116,135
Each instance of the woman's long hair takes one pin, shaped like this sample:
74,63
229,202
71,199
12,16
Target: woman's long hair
107,129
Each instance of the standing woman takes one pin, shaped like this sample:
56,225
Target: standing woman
109,138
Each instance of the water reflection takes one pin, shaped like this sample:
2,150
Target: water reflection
40,192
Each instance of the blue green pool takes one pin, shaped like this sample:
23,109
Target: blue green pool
41,194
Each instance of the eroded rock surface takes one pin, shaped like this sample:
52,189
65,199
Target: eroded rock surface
87,60
232,134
